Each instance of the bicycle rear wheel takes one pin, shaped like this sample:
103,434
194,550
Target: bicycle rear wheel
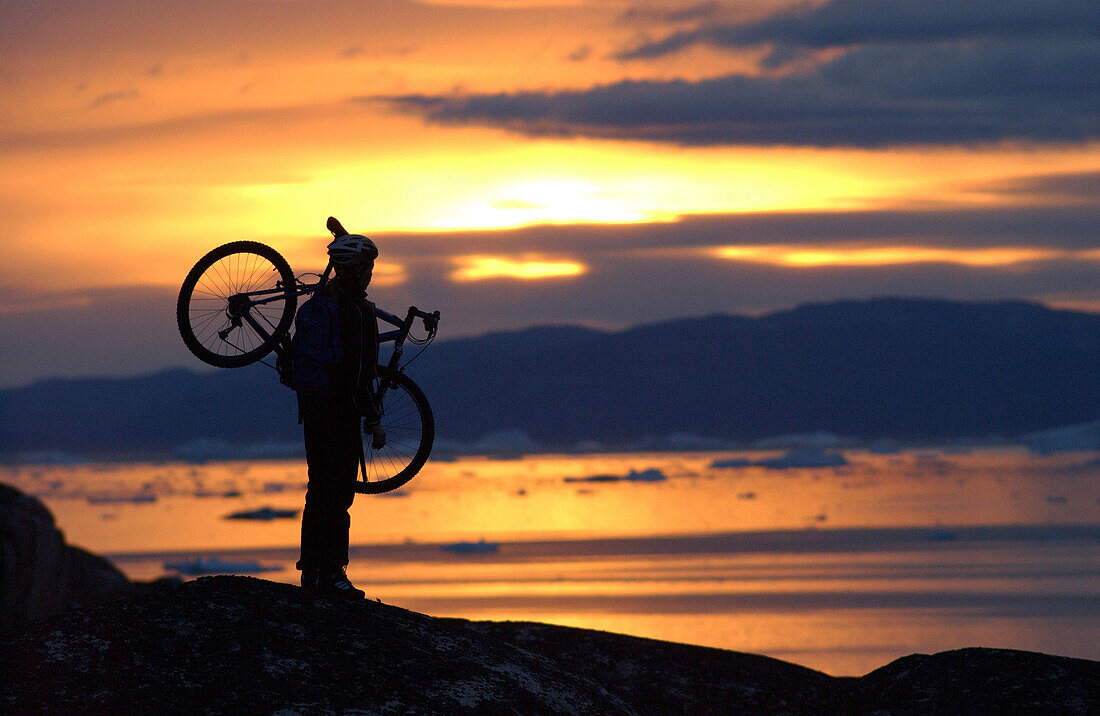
410,432
210,317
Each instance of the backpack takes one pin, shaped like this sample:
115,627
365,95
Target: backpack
315,348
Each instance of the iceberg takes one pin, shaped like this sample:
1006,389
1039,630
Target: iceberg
479,547
264,514
805,457
732,462
802,457
142,498
650,475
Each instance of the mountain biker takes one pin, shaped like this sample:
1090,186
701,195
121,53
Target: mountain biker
331,408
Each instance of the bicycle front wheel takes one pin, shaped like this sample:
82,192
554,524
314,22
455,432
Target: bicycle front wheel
410,432
225,284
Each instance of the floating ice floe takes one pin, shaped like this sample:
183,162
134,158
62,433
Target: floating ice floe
213,565
733,462
806,457
479,547
800,458
215,493
650,475
264,514
138,499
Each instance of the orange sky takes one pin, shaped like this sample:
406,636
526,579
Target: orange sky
138,135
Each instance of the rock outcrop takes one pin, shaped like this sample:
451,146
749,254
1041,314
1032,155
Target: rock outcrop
40,575
245,645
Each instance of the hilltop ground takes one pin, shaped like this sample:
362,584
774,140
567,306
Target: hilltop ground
245,645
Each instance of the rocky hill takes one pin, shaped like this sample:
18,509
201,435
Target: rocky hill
244,645
41,575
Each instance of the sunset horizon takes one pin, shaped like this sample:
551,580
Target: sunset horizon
605,164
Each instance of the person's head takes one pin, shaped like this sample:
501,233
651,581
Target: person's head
353,257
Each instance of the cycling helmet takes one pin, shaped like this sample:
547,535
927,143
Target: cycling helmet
351,249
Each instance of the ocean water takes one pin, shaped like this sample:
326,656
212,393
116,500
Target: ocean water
840,567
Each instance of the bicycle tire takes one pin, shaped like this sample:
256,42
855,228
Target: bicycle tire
410,432
202,307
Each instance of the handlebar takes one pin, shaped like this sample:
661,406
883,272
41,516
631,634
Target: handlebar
431,320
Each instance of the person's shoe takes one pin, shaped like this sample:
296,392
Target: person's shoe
309,578
337,582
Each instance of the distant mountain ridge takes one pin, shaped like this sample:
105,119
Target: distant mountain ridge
897,368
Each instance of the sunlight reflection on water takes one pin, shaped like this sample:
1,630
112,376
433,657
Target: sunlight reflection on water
839,568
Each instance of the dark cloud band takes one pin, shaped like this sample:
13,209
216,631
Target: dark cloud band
843,23
957,94
911,73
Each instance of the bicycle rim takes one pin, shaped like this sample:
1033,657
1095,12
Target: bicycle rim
410,432
202,312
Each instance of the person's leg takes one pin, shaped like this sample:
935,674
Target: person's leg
332,458
340,491
332,454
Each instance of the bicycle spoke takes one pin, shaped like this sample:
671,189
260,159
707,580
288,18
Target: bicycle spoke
403,423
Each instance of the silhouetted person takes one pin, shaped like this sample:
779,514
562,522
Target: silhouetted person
333,360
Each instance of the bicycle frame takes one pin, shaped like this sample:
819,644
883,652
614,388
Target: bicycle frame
241,304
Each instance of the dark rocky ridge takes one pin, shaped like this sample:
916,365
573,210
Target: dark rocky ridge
244,645
41,575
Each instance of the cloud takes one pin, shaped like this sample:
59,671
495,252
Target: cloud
956,94
140,129
630,273
580,54
1071,187
670,15
907,73
843,23
109,97
525,268
1067,228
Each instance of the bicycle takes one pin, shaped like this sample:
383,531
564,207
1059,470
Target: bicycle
237,306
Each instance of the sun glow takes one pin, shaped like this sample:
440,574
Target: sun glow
389,274
883,256
479,268
549,202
